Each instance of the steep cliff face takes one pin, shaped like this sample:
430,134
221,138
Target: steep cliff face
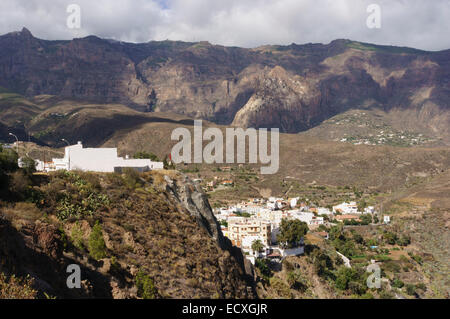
280,100
152,224
292,87
194,200
88,68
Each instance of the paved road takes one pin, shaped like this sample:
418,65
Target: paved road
345,259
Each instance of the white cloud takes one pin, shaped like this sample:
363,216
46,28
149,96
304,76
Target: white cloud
248,23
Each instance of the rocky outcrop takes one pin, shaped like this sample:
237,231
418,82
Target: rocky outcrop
281,100
190,196
165,230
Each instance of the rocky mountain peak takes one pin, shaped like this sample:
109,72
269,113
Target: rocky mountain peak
26,33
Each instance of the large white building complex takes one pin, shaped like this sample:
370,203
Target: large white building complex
96,160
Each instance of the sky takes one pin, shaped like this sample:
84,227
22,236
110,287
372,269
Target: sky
422,24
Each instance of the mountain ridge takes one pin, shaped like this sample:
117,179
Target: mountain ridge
294,87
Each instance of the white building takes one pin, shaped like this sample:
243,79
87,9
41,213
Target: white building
369,210
346,208
296,251
324,211
100,160
293,202
241,228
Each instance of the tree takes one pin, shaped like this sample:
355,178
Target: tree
145,286
361,205
366,219
97,247
322,263
8,164
19,184
223,223
263,266
337,232
344,276
257,246
28,165
390,238
358,238
8,160
291,232
404,240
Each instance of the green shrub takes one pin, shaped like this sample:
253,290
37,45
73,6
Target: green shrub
13,287
76,236
263,266
145,286
343,277
146,155
397,283
97,247
291,232
386,295
421,286
390,238
297,281
19,185
392,266
74,205
280,287
404,240
417,258
353,279
29,165
411,289
73,195
132,178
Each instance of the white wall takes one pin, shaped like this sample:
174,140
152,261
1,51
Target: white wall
91,159
100,160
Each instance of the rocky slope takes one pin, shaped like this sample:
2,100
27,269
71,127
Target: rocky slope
156,226
292,87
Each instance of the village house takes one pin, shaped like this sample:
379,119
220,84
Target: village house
227,182
369,210
324,211
307,217
346,208
242,228
97,160
250,208
293,202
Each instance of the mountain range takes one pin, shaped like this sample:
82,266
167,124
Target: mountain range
294,87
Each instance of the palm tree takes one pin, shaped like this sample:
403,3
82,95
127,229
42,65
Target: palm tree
257,246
